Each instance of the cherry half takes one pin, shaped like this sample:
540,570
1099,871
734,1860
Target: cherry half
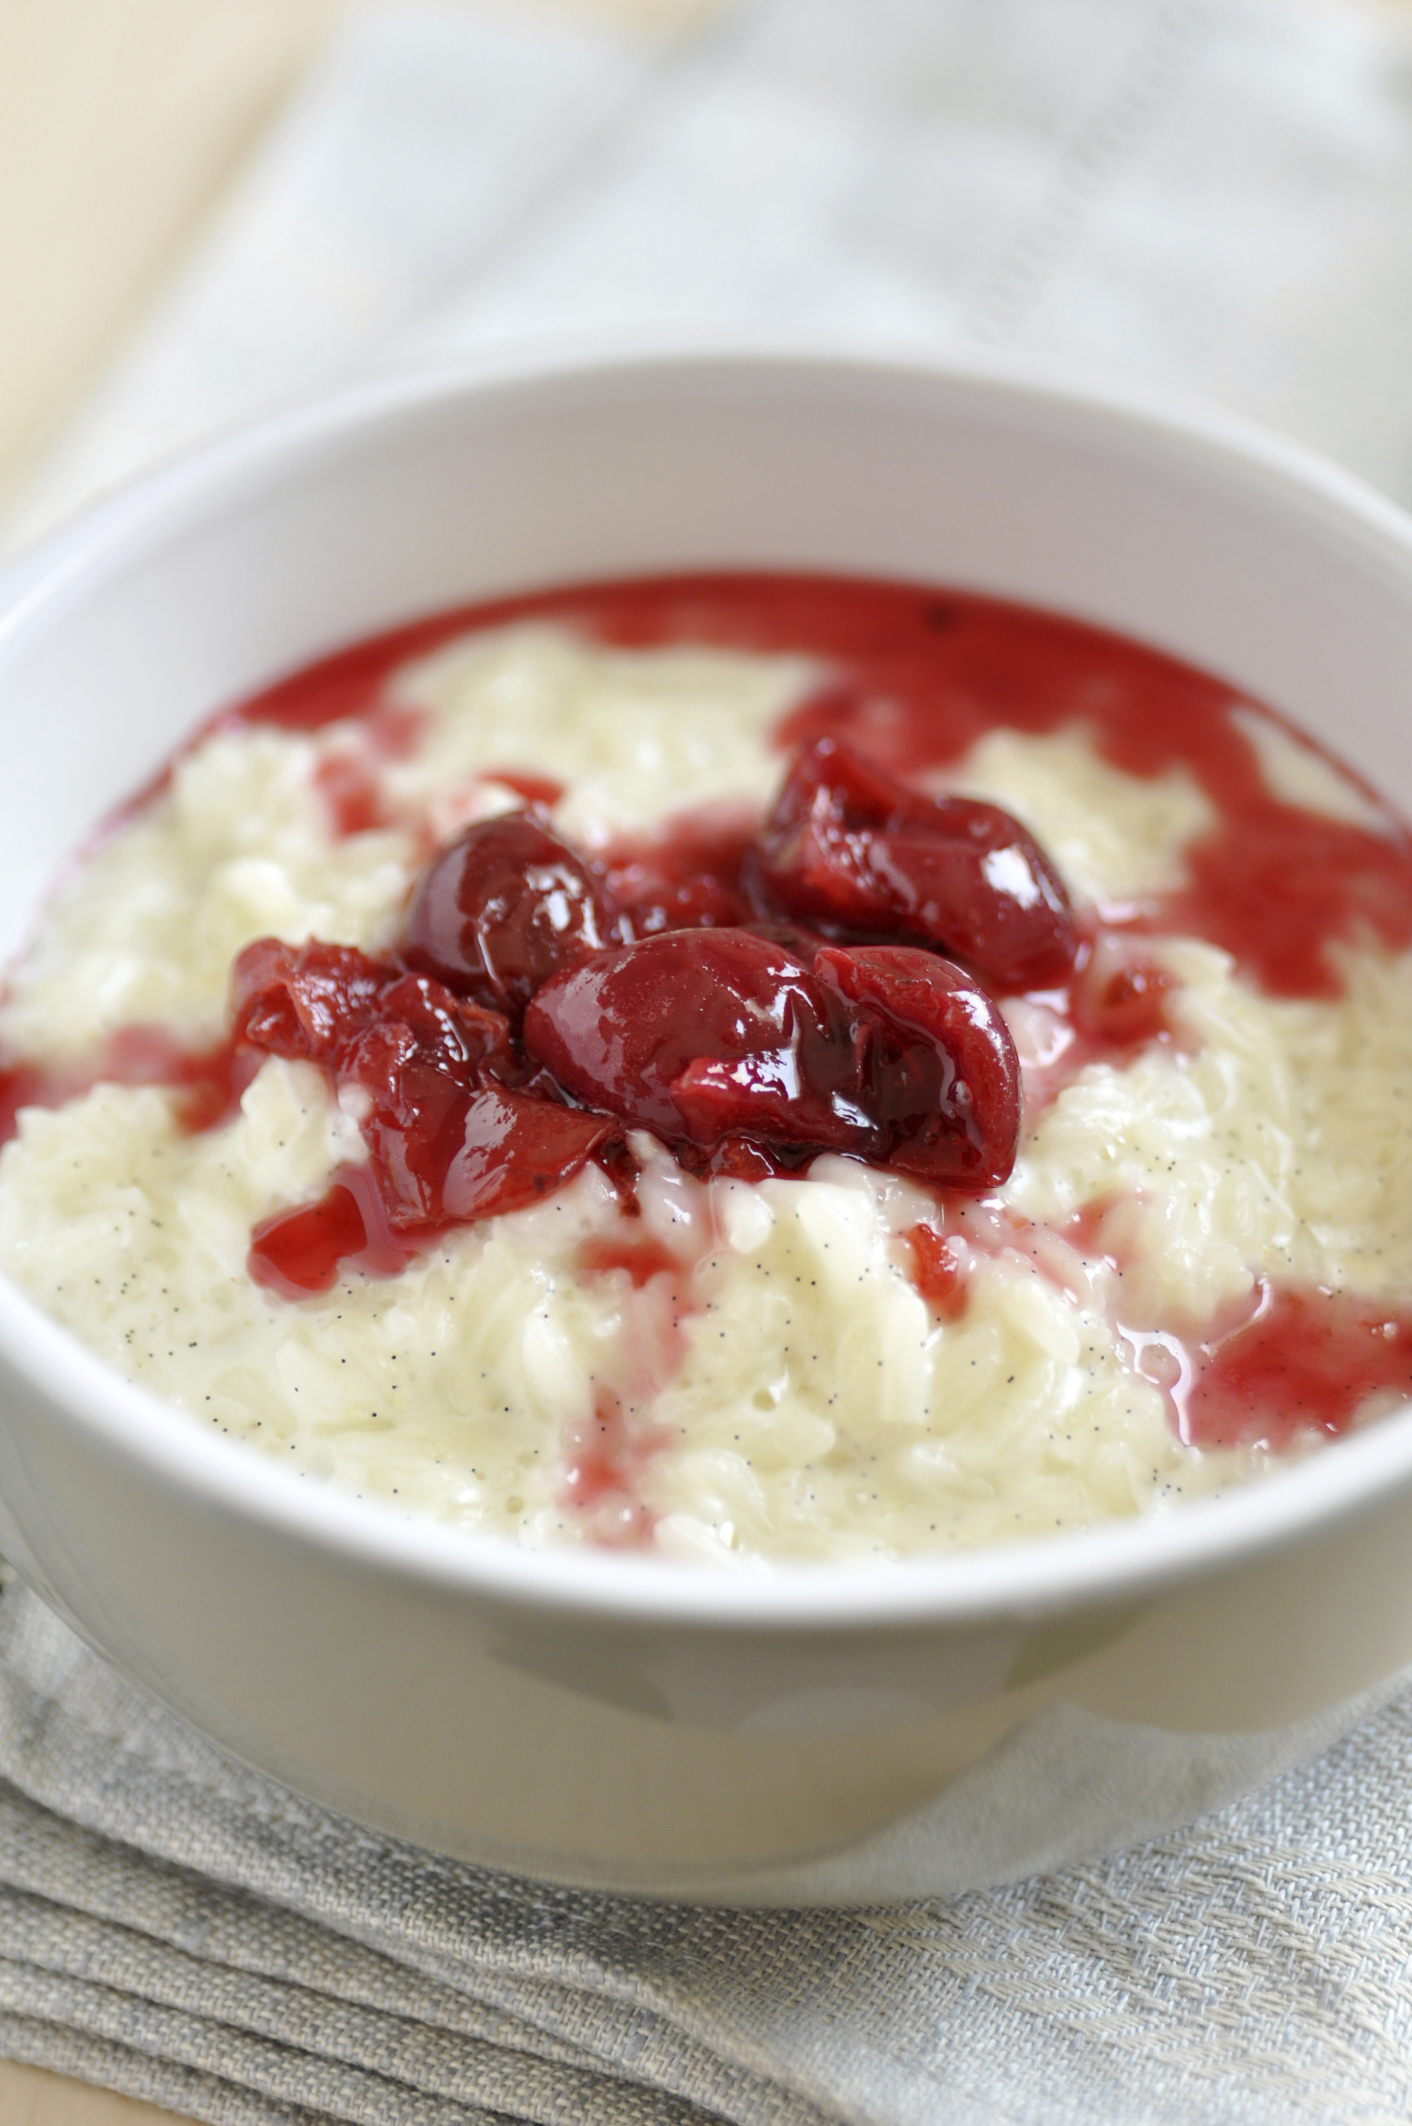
847,846
503,907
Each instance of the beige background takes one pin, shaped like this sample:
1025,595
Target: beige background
121,124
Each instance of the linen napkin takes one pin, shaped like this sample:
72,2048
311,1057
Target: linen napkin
177,1926
1211,195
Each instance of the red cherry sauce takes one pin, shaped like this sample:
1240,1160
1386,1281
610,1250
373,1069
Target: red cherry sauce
689,876
350,789
604,1458
1305,1362
297,1252
639,1254
349,779
208,1082
938,1270
910,679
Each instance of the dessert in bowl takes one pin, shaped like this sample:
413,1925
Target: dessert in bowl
728,1145
672,1424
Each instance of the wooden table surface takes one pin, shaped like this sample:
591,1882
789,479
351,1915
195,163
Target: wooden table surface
122,122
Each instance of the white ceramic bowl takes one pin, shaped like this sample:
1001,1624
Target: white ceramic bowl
807,1733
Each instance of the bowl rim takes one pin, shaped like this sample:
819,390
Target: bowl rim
1023,1580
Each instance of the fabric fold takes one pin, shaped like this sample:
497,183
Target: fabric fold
162,1902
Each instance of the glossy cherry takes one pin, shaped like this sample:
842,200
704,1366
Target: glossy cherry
629,1029
848,846
503,907
304,1001
937,1063
725,1037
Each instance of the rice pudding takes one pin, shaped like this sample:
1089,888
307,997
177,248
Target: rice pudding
1067,1192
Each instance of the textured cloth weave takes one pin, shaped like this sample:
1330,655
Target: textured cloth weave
179,1927
1211,197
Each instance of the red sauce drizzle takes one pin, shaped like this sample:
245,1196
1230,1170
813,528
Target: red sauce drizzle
1122,1010
1306,1361
938,1270
534,789
604,1459
301,1251
642,1256
208,1082
352,791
